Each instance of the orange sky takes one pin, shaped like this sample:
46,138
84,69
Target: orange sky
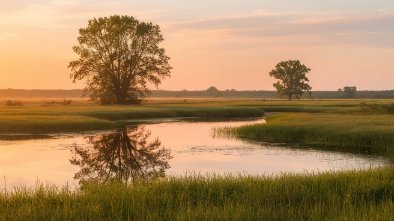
227,44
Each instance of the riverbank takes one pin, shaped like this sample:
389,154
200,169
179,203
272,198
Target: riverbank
357,195
61,115
37,116
340,125
345,128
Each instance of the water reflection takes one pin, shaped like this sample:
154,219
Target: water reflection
132,153
125,155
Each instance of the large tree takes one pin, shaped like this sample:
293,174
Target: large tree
118,56
291,78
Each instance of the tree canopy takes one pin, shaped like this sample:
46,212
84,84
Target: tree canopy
118,56
291,78
350,92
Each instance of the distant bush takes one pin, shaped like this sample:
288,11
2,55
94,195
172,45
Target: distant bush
66,102
47,103
377,108
13,103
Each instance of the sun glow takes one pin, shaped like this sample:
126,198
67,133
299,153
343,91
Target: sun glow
343,43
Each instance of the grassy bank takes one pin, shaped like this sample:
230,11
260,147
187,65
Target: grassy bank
45,116
35,116
336,125
367,195
372,134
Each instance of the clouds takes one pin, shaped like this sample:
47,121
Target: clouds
261,22
210,40
373,29
59,14
38,14
4,36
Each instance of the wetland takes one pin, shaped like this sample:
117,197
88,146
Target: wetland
172,147
311,159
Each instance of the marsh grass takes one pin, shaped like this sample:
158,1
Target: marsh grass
334,125
38,117
349,133
377,108
354,195
13,103
49,124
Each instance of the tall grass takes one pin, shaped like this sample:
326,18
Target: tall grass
367,195
35,117
52,123
335,125
370,134
377,108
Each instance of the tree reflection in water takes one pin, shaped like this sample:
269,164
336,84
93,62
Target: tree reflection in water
125,156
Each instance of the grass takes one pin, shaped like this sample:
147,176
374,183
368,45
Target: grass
332,126
38,116
352,133
34,117
341,125
367,195
377,108
51,123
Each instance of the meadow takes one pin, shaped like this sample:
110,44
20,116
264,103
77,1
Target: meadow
41,116
337,125
349,126
356,195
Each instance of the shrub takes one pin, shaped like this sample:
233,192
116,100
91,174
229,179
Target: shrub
377,108
13,103
66,102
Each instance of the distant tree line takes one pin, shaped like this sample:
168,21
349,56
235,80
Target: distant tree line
272,94
227,93
36,93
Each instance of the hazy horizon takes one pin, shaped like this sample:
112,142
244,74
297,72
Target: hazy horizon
226,44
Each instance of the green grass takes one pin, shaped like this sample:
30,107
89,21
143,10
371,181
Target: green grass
317,106
329,125
340,125
33,117
51,123
377,108
352,133
367,195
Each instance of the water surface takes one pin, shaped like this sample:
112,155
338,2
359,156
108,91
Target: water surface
150,149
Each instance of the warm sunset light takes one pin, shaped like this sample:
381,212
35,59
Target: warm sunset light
226,44
259,110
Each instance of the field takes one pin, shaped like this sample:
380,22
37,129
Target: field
363,126
43,116
351,126
364,195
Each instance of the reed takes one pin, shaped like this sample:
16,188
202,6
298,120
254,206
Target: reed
336,125
377,108
33,117
369,134
354,195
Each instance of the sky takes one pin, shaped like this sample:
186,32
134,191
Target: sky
228,44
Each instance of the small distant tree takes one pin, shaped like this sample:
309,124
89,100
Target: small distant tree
213,91
118,56
291,78
350,92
